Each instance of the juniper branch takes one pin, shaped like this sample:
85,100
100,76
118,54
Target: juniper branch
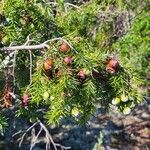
34,47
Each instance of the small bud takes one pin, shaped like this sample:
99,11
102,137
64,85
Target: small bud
112,66
81,75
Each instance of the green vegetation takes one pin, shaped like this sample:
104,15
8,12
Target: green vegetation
105,56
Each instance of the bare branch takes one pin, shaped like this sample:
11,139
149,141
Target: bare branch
30,53
35,139
62,147
66,4
34,47
24,47
22,138
17,133
75,6
48,134
49,139
14,64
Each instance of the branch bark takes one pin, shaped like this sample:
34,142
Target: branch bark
25,47
34,47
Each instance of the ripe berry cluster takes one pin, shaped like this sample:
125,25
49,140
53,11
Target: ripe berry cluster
51,71
48,64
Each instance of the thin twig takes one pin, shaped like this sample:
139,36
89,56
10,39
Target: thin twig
75,6
62,147
48,142
14,64
48,134
28,39
65,4
22,138
49,139
17,133
31,62
35,139
55,145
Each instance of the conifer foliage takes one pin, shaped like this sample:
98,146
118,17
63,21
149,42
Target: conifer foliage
64,58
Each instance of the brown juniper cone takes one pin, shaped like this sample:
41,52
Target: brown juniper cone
48,66
64,47
68,60
81,76
25,99
112,65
